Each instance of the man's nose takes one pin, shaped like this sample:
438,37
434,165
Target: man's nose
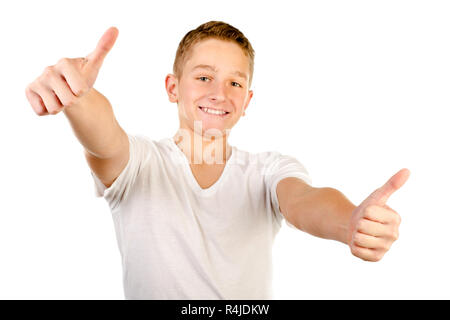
218,93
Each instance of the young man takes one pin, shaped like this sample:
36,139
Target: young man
195,217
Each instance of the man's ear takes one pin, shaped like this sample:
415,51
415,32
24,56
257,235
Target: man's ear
172,87
249,97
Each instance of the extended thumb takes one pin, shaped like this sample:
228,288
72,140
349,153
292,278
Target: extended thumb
382,194
104,45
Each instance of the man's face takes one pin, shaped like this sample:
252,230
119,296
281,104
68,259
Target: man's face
215,77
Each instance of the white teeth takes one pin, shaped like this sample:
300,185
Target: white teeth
212,111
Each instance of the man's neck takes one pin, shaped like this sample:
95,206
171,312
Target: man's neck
203,150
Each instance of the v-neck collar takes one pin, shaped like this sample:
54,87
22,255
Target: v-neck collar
190,176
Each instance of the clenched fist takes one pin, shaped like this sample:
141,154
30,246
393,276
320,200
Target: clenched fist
373,225
63,84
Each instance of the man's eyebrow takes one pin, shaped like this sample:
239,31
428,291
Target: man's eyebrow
212,68
204,66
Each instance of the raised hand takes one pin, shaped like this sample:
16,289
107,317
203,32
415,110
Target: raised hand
62,85
374,225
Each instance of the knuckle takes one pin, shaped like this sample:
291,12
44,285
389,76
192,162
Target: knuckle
41,112
63,61
48,70
54,111
395,235
370,210
357,238
27,90
41,81
377,256
386,246
48,73
372,257
32,88
360,225
354,250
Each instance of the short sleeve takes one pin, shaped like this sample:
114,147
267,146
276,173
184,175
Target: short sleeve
119,190
283,166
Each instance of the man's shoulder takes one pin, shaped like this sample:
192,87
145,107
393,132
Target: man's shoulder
145,142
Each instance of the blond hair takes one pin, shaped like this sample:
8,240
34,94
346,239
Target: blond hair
212,29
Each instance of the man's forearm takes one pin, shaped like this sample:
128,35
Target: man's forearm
322,212
95,126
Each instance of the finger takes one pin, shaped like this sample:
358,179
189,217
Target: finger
370,242
36,102
62,90
72,77
366,253
51,101
373,228
106,42
383,214
382,194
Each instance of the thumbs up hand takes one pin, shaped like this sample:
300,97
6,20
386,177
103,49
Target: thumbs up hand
62,85
374,225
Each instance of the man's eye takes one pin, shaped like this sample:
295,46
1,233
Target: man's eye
202,78
233,84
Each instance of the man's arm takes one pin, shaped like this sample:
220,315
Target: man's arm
68,86
369,229
106,145
321,212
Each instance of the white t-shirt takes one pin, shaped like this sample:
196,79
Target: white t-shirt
179,241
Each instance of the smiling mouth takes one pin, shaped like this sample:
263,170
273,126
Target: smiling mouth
213,112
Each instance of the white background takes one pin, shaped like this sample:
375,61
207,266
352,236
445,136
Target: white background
355,90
